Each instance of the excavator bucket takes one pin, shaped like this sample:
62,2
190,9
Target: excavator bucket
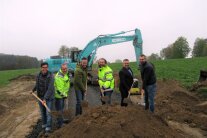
203,76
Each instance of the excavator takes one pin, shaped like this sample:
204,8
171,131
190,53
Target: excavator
91,48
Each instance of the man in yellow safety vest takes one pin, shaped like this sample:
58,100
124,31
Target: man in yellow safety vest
62,85
105,80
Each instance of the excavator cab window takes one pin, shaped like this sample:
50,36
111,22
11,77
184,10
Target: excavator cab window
74,55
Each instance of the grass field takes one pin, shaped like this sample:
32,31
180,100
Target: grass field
5,76
186,71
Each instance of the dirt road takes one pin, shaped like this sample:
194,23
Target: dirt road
18,108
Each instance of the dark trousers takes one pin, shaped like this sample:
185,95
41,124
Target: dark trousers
59,105
124,94
122,102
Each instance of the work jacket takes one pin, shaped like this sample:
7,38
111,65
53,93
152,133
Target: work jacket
62,85
44,86
80,79
147,74
105,78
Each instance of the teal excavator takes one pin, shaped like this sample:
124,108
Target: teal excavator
91,48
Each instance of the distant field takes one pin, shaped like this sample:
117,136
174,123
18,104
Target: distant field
186,71
5,76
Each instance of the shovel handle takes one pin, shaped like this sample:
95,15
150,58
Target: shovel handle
41,102
102,92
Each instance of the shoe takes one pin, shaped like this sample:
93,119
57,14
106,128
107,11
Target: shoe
47,133
124,104
65,121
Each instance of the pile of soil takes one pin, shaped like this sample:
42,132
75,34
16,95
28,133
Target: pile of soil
174,103
116,121
26,77
2,109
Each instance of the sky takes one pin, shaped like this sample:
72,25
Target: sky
38,28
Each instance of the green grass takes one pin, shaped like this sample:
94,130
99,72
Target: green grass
5,76
186,71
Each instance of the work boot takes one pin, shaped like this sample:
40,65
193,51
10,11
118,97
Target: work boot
65,121
124,104
47,133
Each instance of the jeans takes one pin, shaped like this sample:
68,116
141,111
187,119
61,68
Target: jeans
79,97
59,106
108,94
45,115
150,92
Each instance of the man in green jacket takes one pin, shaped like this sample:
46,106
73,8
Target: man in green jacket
80,82
105,79
62,86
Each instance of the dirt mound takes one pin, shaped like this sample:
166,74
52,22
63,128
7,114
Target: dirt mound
2,109
175,103
116,121
198,85
26,77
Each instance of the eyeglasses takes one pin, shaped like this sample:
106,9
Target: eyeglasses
64,68
44,67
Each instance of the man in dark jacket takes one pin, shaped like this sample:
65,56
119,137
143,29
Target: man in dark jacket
149,82
126,80
45,91
80,80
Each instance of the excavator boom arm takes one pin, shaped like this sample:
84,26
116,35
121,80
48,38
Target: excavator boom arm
103,40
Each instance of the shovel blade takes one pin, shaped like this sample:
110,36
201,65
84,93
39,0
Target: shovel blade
105,99
127,100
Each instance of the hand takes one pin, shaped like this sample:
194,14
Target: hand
102,91
34,89
142,92
43,102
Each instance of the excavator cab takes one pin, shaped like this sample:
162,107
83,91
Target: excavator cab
74,55
203,76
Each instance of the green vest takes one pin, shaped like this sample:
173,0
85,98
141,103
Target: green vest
105,78
62,85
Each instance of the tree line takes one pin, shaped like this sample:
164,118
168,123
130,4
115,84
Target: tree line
10,62
65,51
180,49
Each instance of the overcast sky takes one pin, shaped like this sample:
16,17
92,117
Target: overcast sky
39,27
